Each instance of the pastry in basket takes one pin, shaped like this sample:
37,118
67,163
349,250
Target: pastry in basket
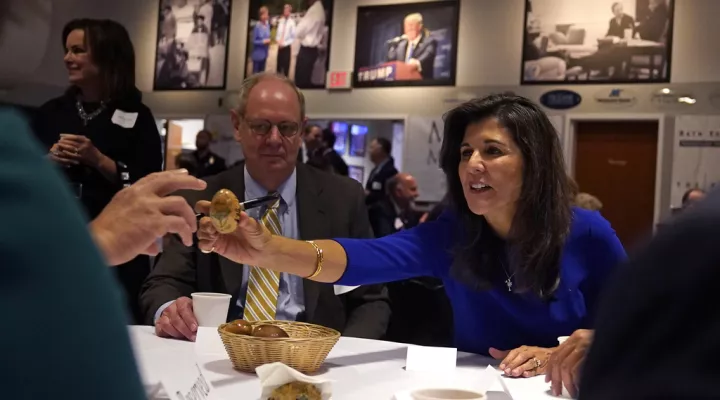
239,327
269,331
296,391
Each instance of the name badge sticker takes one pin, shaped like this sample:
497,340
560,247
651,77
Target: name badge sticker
125,119
376,185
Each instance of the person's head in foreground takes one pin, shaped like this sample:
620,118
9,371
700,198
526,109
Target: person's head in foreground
506,178
268,122
692,197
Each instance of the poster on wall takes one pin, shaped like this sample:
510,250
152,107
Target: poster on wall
696,155
411,44
192,44
598,41
290,37
423,140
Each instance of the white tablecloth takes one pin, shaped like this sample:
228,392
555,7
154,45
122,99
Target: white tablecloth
361,369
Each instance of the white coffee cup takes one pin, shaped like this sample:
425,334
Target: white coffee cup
565,393
211,309
446,394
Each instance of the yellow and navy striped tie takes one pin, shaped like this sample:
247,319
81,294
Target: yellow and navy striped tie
263,285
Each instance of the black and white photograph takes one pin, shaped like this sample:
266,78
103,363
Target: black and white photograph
598,41
192,44
412,44
290,37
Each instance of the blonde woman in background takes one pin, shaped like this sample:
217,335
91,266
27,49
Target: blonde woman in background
588,202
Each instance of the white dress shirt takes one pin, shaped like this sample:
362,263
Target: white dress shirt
413,45
309,30
185,21
286,28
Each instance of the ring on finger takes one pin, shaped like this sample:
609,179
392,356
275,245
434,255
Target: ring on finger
536,363
209,251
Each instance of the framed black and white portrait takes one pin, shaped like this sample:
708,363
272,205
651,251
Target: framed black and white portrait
192,44
290,37
598,41
412,44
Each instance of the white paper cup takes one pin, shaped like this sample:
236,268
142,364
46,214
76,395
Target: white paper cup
211,309
446,394
565,392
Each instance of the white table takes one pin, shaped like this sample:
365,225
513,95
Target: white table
361,369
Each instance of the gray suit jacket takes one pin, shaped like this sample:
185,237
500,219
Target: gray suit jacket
425,53
329,206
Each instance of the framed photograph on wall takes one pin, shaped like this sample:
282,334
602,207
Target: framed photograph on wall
411,44
599,41
291,37
357,173
192,45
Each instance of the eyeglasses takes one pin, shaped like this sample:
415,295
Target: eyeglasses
262,127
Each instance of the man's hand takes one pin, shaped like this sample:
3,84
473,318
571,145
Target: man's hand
564,365
178,321
141,214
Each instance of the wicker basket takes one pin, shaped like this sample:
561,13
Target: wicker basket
305,350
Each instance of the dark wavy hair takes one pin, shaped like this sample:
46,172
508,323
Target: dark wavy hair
543,214
112,51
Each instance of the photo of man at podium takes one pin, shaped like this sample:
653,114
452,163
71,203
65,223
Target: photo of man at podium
406,45
414,51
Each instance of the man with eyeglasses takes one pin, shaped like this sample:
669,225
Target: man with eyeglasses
313,205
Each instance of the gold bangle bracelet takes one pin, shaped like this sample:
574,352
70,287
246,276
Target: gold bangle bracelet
319,262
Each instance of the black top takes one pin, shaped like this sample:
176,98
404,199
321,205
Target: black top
618,29
657,327
376,182
136,149
654,25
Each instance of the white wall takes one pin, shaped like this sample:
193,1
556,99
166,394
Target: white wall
489,51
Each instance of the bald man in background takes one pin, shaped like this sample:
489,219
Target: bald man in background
397,210
421,312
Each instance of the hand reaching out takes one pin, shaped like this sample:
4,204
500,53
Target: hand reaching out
246,245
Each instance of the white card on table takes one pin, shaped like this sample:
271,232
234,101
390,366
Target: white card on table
208,341
339,289
124,119
184,380
423,358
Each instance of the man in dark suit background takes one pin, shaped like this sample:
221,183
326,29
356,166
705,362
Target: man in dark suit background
415,47
324,156
620,22
396,211
207,163
380,150
314,205
413,300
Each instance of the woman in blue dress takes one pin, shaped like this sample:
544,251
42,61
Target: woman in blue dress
520,265
260,41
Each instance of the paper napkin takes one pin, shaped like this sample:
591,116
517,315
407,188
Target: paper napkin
340,289
277,374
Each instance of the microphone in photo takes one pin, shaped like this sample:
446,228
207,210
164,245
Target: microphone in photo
396,39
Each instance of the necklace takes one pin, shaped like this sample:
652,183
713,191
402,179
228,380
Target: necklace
84,115
508,281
